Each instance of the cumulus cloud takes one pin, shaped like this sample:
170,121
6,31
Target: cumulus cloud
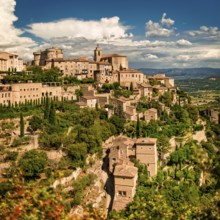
183,42
10,37
79,38
105,28
151,57
204,31
167,21
157,29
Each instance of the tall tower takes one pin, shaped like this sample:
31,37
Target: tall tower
97,54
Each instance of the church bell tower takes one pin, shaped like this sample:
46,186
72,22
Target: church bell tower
97,54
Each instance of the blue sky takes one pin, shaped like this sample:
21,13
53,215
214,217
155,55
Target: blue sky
153,33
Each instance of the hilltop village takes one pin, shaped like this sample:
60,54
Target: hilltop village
87,111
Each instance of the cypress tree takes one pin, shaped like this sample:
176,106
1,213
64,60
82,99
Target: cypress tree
131,87
52,114
21,125
138,127
47,108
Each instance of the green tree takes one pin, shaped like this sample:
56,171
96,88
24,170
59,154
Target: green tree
32,163
193,112
21,125
77,152
47,108
52,114
131,87
78,93
138,131
163,146
35,123
121,67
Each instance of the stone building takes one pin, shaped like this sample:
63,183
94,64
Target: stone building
18,93
41,57
150,114
146,90
78,67
91,98
122,150
213,115
146,153
126,76
10,62
117,61
163,79
125,178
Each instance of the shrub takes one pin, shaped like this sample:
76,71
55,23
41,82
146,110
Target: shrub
33,163
11,156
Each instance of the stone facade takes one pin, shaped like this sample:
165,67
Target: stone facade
146,90
122,149
41,57
10,62
162,78
18,93
146,153
151,114
90,98
213,115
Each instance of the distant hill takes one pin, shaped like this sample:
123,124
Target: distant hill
185,73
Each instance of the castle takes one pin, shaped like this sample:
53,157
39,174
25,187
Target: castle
107,68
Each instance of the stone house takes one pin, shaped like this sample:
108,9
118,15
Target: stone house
18,93
150,114
146,153
122,149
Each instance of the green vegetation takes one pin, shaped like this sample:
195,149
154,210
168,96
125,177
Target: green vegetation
33,163
187,183
21,125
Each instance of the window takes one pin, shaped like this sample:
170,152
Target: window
122,193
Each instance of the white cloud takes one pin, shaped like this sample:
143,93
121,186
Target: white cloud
155,29
167,21
205,32
151,57
79,38
183,58
105,28
10,37
183,42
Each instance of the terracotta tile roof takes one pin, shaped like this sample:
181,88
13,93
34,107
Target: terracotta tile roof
152,109
146,141
159,76
160,87
145,85
112,55
125,170
68,59
123,99
129,71
103,63
89,97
